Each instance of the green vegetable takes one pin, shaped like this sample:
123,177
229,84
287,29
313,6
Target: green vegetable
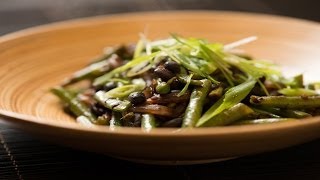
191,64
123,91
107,53
228,116
115,120
232,97
291,102
287,113
297,92
77,107
90,72
264,121
111,103
104,78
195,106
190,81
148,122
265,113
139,48
214,58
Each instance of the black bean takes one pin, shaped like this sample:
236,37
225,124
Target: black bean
176,122
137,98
176,85
163,73
172,66
109,86
98,109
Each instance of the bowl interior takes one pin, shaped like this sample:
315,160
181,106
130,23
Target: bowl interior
34,60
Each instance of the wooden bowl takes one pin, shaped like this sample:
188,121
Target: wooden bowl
33,60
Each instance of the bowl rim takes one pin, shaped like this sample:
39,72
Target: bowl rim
223,131
16,118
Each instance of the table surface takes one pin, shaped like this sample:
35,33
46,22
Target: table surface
23,156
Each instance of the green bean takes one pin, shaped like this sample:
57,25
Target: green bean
134,62
115,120
292,102
148,122
89,72
229,116
264,121
77,107
195,106
176,122
108,52
288,113
295,114
264,113
111,103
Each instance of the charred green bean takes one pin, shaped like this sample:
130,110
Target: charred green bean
291,102
195,106
229,116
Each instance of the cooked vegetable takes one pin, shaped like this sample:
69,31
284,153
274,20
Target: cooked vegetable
77,107
195,106
228,116
184,82
111,103
264,121
115,120
290,102
232,97
94,70
148,122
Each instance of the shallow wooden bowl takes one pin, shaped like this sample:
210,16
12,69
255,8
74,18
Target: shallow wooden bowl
33,60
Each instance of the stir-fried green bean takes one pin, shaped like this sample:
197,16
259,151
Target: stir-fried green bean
287,113
115,120
90,72
77,107
292,102
186,83
112,103
195,106
229,116
148,122
264,121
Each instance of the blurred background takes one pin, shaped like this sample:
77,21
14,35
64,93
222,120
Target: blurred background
18,14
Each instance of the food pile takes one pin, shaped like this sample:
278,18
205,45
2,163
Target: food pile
184,82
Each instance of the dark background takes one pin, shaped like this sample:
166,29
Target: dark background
26,157
17,14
